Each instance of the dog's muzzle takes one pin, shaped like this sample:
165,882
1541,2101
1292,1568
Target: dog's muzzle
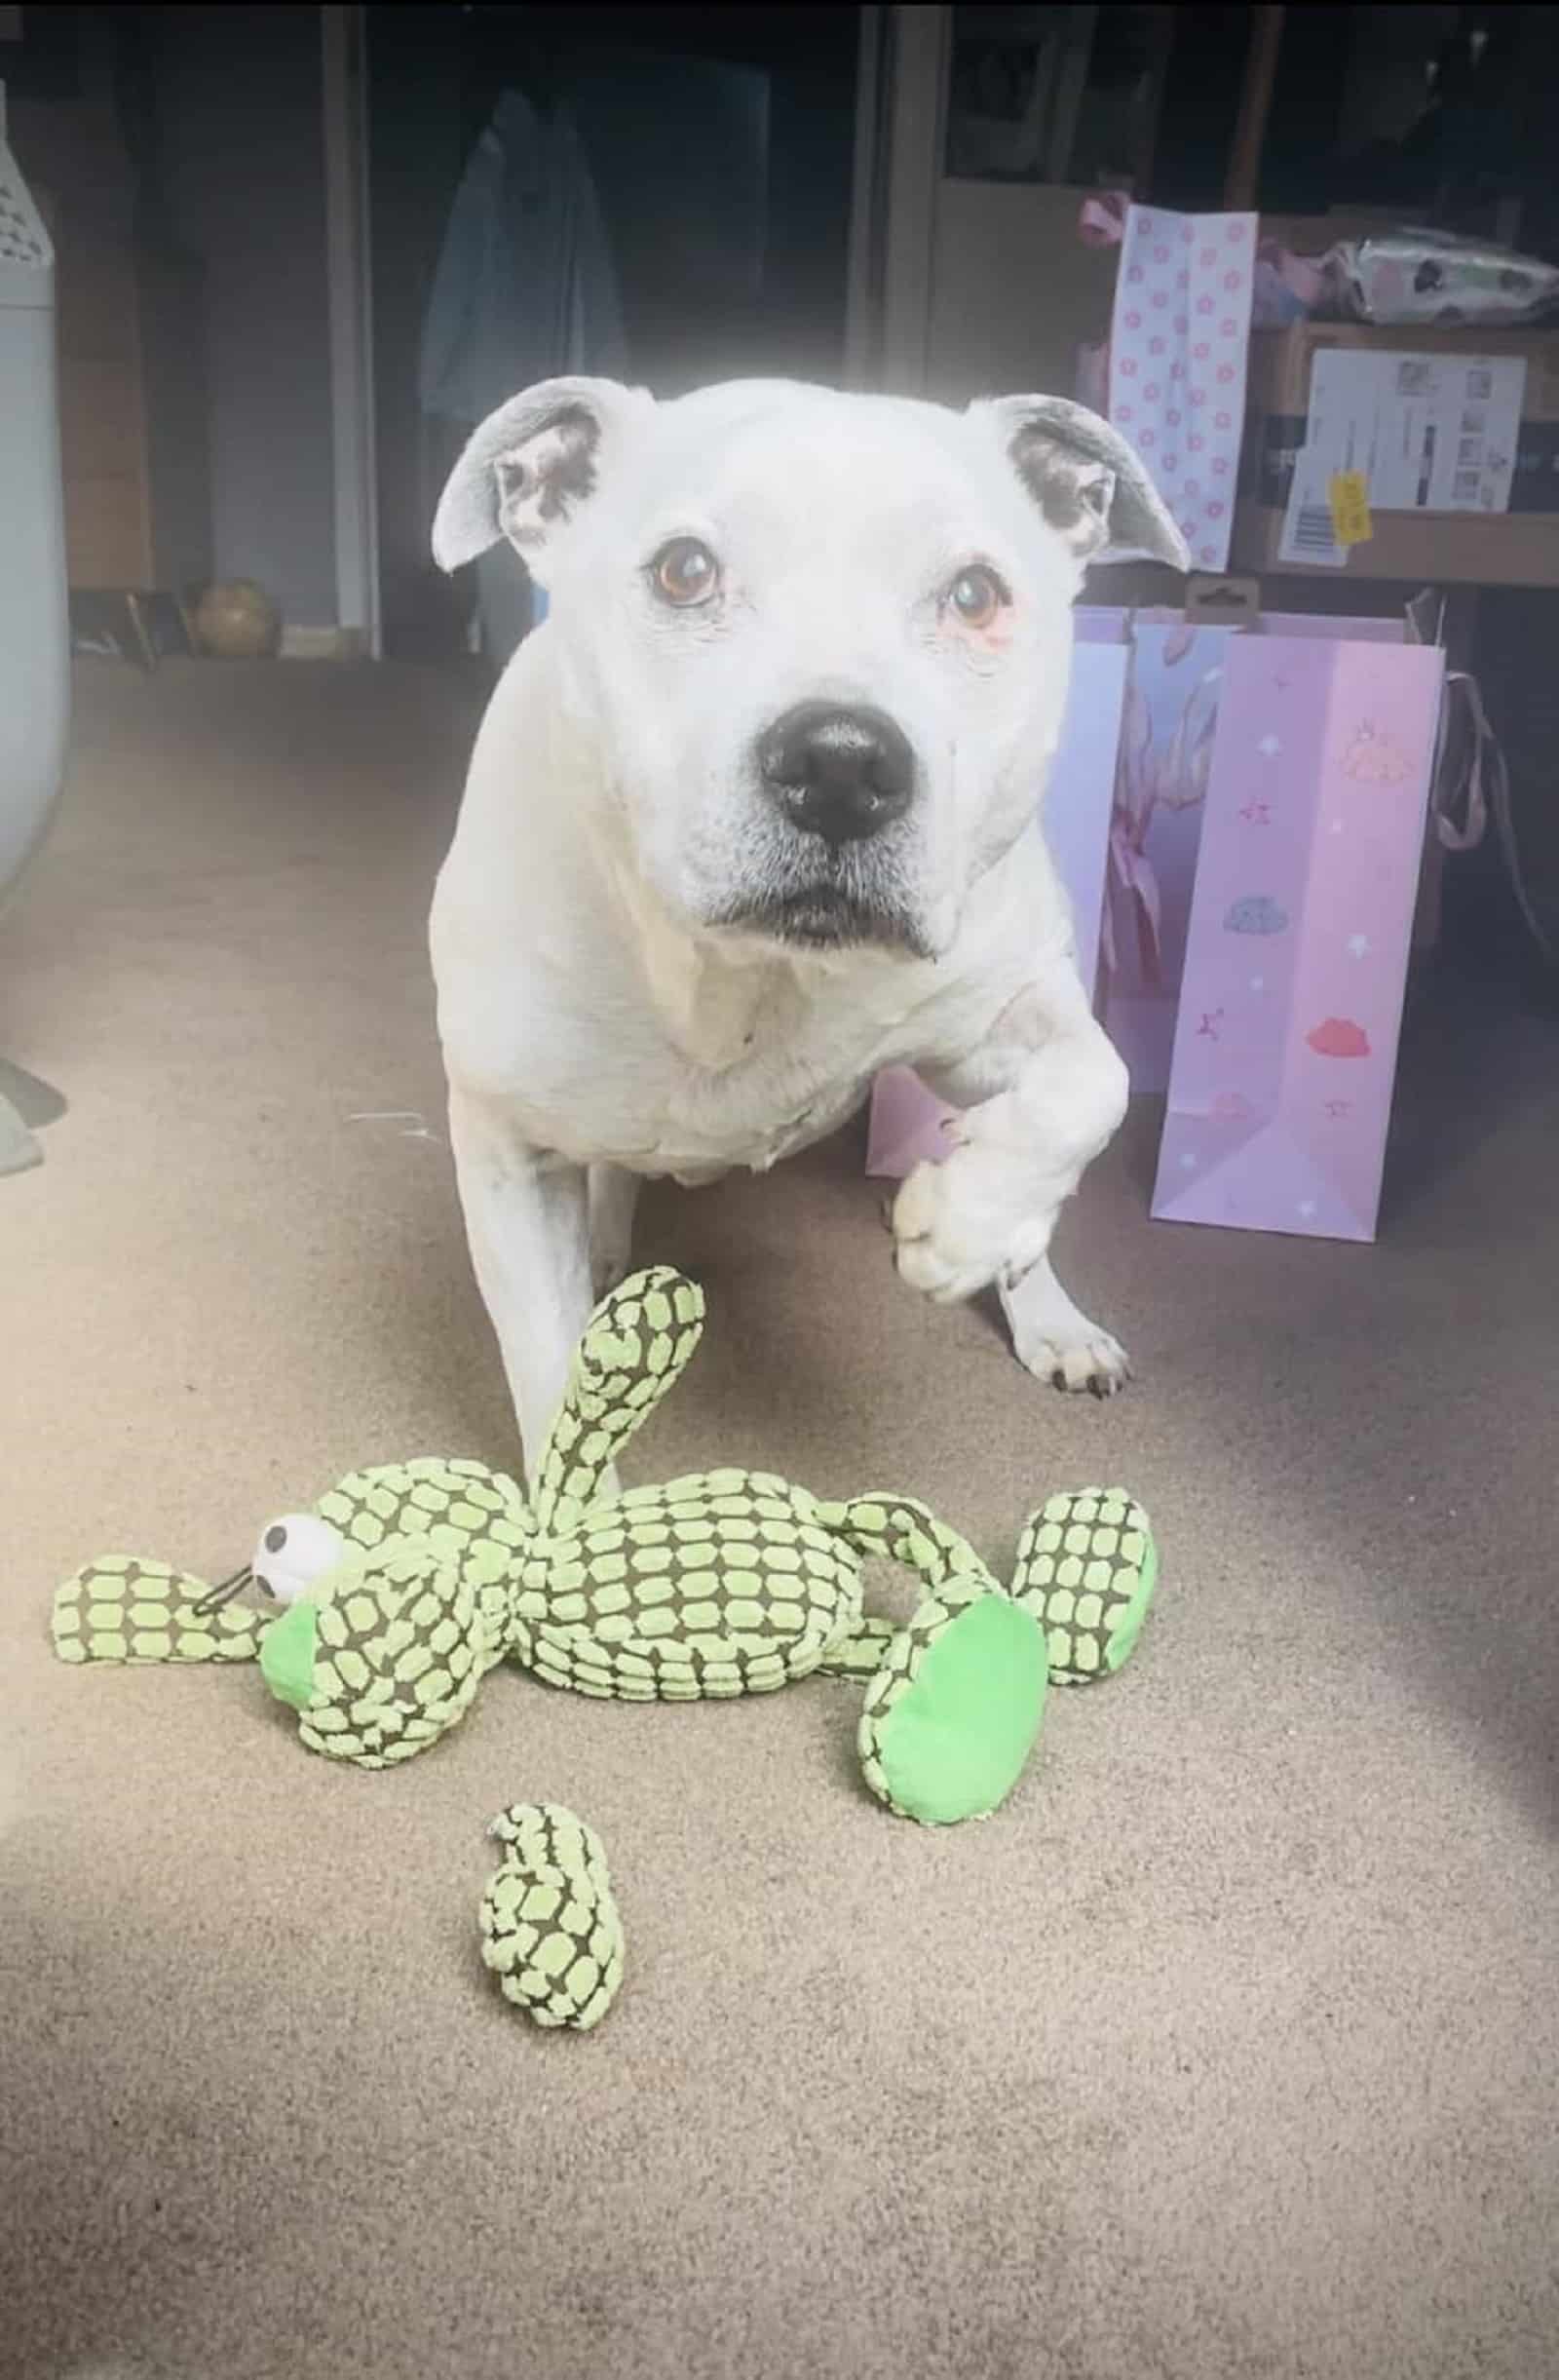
835,781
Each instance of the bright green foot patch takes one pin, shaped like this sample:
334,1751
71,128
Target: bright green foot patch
954,1742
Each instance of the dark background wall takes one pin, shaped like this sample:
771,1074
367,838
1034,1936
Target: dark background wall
198,132
435,76
239,157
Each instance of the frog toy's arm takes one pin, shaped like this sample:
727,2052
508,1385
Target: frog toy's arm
639,1342
549,1928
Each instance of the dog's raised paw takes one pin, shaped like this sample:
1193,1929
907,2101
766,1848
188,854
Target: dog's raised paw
952,1236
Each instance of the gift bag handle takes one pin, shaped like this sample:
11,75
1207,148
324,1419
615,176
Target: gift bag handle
1479,791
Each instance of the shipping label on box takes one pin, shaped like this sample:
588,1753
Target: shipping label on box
1422,433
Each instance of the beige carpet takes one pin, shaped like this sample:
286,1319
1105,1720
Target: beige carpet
1228,2047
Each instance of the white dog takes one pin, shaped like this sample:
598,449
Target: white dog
756,812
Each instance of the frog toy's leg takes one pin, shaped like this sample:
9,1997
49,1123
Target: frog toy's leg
860,1652
549,1928
125,1609
638,1343
956,1699
1086,1569
899,1529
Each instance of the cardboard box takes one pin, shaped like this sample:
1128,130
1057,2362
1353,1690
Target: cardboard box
1517,547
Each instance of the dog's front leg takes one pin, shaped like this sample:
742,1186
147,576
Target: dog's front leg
1044,1095
527,1219
614,1198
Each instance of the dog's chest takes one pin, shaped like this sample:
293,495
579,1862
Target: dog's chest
741,1065
765,1106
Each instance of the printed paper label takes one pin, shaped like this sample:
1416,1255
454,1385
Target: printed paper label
1424,432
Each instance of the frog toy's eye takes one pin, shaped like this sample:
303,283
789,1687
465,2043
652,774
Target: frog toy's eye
291,1558
293,1553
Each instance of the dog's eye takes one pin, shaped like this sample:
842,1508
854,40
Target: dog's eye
685,572
977,595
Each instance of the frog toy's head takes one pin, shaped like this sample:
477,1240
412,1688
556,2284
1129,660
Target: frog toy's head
374,1617
379,1652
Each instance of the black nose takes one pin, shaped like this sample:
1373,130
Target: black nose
841,774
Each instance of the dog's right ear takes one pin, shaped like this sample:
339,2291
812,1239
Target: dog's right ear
531,465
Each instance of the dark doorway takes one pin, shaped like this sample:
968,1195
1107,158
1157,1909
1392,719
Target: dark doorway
721,143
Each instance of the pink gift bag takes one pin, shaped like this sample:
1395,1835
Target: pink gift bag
1175,366
1174,689
1297,943
907,1120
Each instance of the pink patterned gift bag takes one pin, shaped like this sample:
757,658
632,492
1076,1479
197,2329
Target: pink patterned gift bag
1178,340
1174,693
1301,922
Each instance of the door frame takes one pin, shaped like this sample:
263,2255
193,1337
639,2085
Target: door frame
349,269
899,109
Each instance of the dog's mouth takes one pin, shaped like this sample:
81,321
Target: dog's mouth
830,917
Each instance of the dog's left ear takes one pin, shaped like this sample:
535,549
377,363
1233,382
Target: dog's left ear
1091,486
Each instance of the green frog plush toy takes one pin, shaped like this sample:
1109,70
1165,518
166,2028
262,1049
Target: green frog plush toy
377,1615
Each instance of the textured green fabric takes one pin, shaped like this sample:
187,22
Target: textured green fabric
902,1529
722,1583
549,1928
124,1609
726,1583
949,1724
640,1341
1086,1567
400,1652
861,1655
477,1518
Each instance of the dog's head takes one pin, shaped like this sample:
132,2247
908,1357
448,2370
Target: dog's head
819,642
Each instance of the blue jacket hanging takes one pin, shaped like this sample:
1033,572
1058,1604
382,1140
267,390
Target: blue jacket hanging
525,286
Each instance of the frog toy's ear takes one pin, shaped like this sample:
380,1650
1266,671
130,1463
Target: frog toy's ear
1086,1569
638,1343
123,1608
